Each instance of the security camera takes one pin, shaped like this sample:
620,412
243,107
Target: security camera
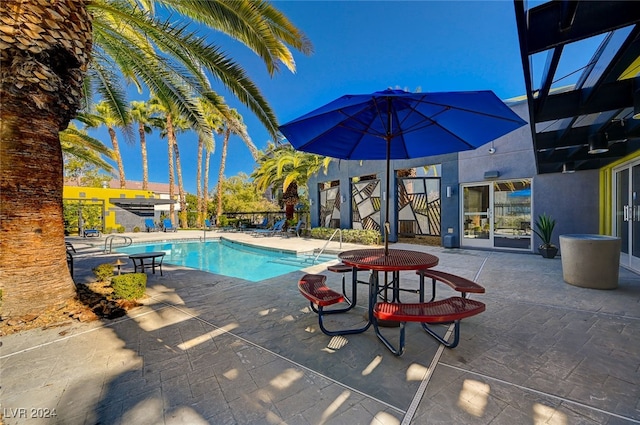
492,150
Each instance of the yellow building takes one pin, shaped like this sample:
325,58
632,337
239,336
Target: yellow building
109,210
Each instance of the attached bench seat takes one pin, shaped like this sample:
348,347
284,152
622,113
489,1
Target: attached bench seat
457,283
313,287
447,310
443,311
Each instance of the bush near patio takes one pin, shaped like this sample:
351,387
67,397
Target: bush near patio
364,237
129,286
103,272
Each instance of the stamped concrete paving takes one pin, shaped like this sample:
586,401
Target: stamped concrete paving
211,349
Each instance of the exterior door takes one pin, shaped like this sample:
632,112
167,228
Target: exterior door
627,217
476,216
497,215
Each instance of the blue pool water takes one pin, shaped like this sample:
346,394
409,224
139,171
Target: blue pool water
228,258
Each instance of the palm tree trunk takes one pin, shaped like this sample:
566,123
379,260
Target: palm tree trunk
33,267
200,219
170,141
183,204
145,163
223,160
205,188
39,98
116,154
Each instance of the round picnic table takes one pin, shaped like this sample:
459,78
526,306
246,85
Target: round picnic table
395,261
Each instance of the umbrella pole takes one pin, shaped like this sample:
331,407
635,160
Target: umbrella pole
387,229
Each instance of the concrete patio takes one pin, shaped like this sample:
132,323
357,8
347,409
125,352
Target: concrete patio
209,349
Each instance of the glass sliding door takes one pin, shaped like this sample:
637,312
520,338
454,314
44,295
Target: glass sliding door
626,220
497,215
635,218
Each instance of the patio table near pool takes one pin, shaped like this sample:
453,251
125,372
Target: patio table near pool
395,261
313,288
139,261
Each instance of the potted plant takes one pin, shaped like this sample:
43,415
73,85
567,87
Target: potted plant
544,228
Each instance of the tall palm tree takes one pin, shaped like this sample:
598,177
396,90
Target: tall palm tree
171,123
206,146
104,115
141,113
232,124
45,52
39,98
283,166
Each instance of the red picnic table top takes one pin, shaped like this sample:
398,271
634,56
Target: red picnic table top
395,260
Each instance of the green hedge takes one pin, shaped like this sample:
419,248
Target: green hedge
103,272
364,237
129,286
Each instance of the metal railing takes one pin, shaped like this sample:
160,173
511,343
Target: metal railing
109,240
325,245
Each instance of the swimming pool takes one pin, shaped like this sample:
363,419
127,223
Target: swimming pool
229,258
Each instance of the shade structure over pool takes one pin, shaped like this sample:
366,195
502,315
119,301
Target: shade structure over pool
395,124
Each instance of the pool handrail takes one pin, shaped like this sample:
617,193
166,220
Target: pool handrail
127,241
325,245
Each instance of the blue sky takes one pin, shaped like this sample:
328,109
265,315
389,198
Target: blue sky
361,47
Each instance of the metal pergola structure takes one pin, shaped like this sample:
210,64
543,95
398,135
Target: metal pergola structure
566,121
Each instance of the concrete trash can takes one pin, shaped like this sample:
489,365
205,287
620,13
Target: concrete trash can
590,261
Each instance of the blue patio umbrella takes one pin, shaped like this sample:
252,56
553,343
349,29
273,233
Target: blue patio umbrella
395,124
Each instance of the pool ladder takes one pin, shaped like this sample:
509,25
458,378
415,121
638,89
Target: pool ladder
109,241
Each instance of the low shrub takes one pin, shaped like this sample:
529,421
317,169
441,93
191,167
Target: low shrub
121,229
364,237
223,221
103,272
136,229
129,286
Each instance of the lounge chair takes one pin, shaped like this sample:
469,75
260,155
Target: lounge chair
276,228
296,230
264,224
168,225
149,225
91,233
207,224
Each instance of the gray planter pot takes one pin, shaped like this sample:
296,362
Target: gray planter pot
548,252
590,261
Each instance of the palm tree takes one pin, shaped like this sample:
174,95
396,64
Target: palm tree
286,167
105,116
39,98
170,123
206,146
205,185
141,113
45,52
232,125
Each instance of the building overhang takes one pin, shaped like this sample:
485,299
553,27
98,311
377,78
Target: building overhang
139,202
567,118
